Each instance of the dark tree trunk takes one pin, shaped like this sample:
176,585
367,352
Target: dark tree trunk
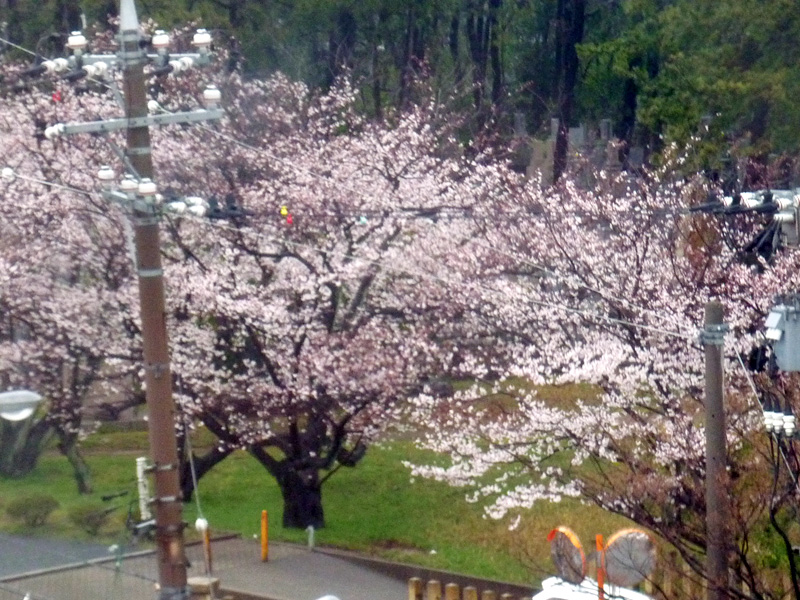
341,44
413,56
570,19
455,48
478,49
498,79
21,445
68,17
202,465
302,498
83,476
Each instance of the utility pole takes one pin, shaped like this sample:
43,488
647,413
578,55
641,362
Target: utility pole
713,338
138,195
158,378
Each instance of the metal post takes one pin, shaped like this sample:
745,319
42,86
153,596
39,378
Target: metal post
160,404
716,475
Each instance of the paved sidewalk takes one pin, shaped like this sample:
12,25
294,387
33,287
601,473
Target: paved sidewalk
292,573
20,554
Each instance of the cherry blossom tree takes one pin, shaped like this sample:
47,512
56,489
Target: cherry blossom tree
301,328
298,327
605,288
64,295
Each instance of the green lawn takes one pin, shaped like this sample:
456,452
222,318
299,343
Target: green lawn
373,508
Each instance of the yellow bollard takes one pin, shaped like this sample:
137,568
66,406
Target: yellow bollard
434,590
264,536
415,588
452,592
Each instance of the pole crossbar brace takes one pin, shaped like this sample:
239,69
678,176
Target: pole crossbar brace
133,122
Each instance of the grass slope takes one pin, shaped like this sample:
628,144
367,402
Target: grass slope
373,508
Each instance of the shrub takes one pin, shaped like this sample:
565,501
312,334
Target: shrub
90,517
32,510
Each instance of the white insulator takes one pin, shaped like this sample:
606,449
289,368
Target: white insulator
175,207
147,187
54,131
785,216
211,96
777,421
198,210
49,65
153,106
8,174
76,42
751,199
161,41
768,420
106,174
186,63
176,65
60,65
98,69
202,39
129,185
788,424
784,203
194,201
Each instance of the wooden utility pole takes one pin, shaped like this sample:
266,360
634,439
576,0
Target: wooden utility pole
713,337
158,379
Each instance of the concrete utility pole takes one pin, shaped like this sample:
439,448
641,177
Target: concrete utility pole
158,379
139,196
713,338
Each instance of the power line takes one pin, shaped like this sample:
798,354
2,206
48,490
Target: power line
17,46
430,276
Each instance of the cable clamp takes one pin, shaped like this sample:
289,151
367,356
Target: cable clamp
156,369
165,500
160,468
713,335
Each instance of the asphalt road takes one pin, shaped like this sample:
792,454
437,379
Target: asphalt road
24,554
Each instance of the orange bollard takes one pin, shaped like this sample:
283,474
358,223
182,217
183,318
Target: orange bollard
601,567
264,536
207,552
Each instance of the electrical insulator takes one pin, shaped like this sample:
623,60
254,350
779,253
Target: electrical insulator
789,422
202,41
129,185
106,176
147,188
751,199
160,41
77,42
98,69
54,131
211,96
